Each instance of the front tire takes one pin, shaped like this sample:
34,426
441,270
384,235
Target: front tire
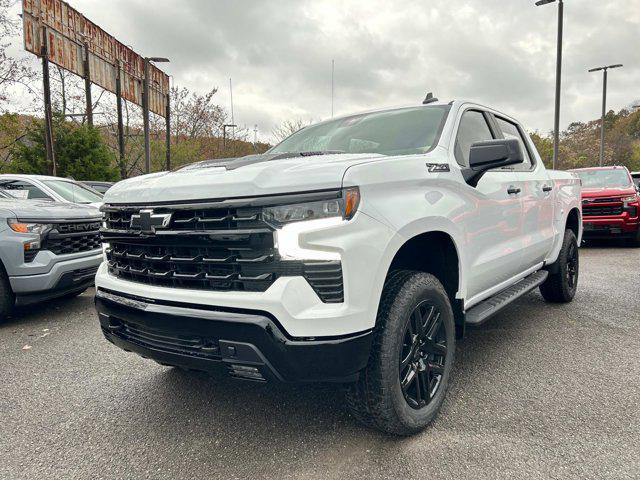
562,282
404,384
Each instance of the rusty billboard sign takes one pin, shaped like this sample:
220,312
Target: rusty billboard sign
66,33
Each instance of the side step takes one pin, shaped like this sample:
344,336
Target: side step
492,305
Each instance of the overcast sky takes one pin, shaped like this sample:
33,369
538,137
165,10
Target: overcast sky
387,52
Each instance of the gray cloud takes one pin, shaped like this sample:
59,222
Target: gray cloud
387,52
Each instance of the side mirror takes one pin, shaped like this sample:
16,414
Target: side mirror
490,154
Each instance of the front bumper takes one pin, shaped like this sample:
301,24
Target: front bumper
600,227
251,344
54,278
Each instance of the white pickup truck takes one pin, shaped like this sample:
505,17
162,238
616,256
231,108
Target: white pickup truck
355,251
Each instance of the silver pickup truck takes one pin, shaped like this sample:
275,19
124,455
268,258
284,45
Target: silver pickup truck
47,250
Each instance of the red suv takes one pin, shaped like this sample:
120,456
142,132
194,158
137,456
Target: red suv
610,204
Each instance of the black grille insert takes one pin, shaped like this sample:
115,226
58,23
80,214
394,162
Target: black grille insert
602,210
67,238
166,341
220,249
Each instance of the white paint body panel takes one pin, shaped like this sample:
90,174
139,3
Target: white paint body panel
499,238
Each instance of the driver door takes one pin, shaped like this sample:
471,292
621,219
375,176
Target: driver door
493,222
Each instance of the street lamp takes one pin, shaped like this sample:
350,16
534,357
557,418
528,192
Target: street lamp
224,133
145,110
556,121
604,103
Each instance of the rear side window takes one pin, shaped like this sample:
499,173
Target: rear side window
473,128
22,190
510,131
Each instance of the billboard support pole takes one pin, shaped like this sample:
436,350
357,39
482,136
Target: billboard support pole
121,162
87,86
145,117
48,114
168,131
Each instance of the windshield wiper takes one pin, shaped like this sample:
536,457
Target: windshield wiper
320,152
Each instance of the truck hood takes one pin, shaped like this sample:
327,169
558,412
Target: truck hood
49,211
253,175
607,192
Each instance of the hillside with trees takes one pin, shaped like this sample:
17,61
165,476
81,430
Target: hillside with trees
580,142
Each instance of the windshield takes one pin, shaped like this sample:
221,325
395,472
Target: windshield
404,131
617,178
73,192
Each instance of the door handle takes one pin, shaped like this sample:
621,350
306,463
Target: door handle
513,190
547,188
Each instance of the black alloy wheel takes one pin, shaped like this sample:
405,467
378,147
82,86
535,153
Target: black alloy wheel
572,265
423,354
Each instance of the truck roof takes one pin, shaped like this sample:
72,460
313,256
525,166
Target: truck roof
456,103
609,167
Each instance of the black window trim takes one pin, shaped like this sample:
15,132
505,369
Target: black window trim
492,128
525,141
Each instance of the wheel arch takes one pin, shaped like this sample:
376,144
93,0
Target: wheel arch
574,221
443,261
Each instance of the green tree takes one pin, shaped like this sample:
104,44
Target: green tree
544,145
80,152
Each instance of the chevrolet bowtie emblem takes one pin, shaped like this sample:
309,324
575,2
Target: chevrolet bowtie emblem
147,221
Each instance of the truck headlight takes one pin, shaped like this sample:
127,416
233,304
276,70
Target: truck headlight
24,227
344,207
293,220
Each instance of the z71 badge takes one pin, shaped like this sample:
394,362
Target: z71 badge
437,167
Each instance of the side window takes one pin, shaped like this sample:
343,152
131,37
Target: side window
22,190
473,128
510,130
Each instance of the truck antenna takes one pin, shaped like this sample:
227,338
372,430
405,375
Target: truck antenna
429,99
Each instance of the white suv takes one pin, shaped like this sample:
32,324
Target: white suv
355,251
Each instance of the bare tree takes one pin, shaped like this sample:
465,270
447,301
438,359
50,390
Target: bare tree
13,71
288,128
196,115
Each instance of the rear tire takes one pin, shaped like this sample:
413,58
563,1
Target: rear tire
7,298
562,282
404,384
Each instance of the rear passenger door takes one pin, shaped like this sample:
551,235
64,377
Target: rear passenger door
536,195
493,218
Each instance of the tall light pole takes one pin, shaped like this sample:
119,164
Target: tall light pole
333,70
604,103
556,121
145,110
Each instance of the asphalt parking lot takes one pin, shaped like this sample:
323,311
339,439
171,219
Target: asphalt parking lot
540,391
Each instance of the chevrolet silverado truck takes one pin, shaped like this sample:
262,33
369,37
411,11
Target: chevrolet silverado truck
356,251
610,204
47,250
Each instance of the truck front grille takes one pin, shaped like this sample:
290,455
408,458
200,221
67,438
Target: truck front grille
206,247
602,210
67,238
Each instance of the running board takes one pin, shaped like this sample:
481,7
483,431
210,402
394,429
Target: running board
492,305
